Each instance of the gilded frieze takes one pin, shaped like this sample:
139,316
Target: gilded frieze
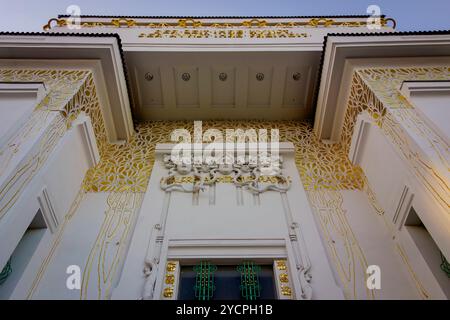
127,167
192,23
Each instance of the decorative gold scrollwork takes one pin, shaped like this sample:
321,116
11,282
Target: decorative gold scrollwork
123,22
281,264
59,23
171,266
384,22
315,22
170,279
284,277
184,23
286,291
191,23
168,292
254,23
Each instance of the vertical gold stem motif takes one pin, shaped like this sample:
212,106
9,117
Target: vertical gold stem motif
107,253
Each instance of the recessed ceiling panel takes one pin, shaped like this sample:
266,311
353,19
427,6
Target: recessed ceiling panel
259,86
223,81
149,82
296,86
223,85
186,86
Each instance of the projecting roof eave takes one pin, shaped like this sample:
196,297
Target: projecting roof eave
105,53
339,49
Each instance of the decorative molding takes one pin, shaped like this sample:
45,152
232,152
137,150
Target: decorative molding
302,260
409,89
85,126
153,255
195,249
48,211
340,49
376,91
245,175
362,125
105,48
19,89
403,207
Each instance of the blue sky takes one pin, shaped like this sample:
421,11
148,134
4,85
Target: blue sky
30,15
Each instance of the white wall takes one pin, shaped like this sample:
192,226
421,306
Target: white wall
17,101
62,175
389,176
435,107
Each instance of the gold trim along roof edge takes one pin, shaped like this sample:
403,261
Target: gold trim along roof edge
194,22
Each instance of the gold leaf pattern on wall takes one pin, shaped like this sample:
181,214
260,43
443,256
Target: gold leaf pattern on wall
377,92
46,120
127,167
344,250
108,251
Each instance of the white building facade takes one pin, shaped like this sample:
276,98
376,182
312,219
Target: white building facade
93,206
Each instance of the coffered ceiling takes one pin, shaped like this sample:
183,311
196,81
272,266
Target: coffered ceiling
222,85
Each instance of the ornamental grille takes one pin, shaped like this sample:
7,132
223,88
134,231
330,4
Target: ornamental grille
5,272
250,287
445,266
204,280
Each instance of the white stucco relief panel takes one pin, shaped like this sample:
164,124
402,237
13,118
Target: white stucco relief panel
225,212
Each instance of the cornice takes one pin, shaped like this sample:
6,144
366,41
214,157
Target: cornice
361,34
85,35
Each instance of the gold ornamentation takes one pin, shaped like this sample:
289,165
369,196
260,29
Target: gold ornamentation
171,266
46,261
59,23
106,254
127,167
372,197
284,277
170,279
220,34
254,23
188,23
344,250
122,22
324,168
376,91
286,291
184,23
315,22
168,292
281,264
64,93
422,291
